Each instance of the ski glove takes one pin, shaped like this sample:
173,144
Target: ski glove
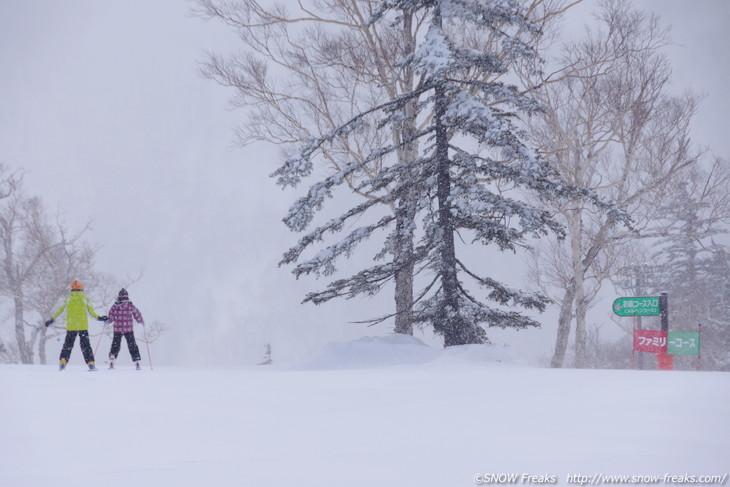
49,322
103,318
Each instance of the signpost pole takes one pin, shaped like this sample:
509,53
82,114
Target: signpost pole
699,348
664,360
637,319
633,348
637,325
664,310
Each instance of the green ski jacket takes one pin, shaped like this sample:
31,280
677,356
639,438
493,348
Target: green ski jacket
77,306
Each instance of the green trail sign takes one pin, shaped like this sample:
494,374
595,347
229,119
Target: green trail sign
645,306
683,343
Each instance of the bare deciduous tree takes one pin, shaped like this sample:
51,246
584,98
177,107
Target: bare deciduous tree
38,261
23,245
333,64
70,259
614,129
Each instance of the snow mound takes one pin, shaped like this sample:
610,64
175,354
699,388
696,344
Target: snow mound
367,352
481,354
397,349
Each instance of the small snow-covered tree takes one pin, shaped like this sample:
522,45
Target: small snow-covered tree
470,143
267,356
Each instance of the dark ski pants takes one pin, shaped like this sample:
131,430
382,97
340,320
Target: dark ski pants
68,345
131,343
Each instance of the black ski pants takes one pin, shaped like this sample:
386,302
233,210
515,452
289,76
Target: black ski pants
131,343
68,345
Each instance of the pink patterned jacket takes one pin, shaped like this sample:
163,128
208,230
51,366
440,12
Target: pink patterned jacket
122,313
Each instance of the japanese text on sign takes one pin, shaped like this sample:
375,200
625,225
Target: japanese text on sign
652,341
683,343
644,306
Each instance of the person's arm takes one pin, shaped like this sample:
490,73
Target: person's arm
60,310
111,314
137,315
91,310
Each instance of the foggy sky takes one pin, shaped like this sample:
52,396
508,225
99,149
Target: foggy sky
103,106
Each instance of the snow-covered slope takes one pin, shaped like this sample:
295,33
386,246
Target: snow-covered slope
375,412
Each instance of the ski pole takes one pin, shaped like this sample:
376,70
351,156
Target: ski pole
147,342
103,328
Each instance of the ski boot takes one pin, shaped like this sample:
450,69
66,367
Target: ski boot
92,367
138,366
62,364
111,364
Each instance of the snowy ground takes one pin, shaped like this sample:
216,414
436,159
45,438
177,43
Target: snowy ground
376,412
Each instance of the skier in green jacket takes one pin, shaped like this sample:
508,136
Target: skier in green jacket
77,307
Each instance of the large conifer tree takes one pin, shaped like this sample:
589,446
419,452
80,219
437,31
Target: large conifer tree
470,141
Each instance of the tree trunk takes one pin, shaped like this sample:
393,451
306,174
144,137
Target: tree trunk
404,276
449,309
581,356
457,331
575,294
566,314
42,339
405,213
576,250
26,354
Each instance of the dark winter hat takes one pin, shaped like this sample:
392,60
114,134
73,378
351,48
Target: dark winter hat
123,293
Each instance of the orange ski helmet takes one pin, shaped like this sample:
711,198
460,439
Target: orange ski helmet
77,286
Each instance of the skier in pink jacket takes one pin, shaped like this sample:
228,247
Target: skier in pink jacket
123,313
